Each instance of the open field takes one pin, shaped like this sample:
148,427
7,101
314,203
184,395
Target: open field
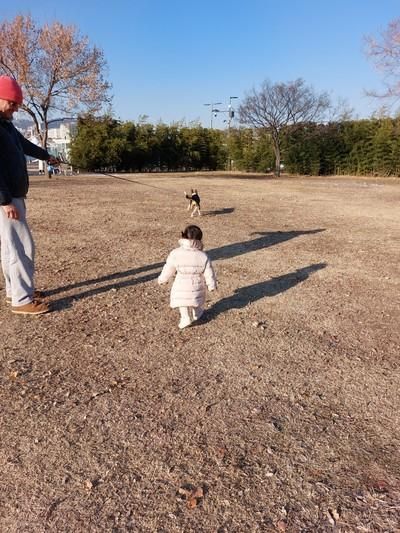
279,412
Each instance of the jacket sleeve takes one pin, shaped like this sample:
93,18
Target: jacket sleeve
168,271
32,149
5,195
209,275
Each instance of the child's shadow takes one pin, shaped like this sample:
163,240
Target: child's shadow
246,295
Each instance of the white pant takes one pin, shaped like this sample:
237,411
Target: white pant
17,255
189,314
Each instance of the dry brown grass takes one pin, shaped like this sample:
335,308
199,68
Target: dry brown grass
279,412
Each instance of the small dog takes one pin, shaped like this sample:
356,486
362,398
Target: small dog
194,202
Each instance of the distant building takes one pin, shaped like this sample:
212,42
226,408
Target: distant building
60,134
59,138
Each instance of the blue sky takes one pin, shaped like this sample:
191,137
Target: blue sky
168,57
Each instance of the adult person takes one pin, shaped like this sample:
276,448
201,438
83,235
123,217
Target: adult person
17,246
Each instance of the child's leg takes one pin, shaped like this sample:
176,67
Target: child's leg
197,312
186,319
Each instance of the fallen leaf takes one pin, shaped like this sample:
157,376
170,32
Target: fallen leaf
335,514
185,491
221,452
198,493
191,503
281,525
193,495
330,518
380,485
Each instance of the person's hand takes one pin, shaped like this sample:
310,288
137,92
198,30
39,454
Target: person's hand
11,211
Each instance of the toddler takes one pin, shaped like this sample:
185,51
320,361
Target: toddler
194,273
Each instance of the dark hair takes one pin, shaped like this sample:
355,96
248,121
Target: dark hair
193,233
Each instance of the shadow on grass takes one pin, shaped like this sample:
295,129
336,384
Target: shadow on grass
223,211
127,278
265,240
247,295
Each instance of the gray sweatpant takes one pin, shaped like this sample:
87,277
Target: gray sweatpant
17,255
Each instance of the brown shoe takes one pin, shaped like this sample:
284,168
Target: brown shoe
33,308
37,295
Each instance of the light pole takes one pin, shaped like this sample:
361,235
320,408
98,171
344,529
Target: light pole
231,114
213,110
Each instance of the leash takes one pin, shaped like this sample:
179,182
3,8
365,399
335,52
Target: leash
65,162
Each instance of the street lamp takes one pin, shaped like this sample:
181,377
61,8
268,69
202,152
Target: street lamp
213,110
231,114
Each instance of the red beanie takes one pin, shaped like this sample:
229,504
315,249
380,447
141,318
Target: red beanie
10,90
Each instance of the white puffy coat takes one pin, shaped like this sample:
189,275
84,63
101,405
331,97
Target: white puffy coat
194,272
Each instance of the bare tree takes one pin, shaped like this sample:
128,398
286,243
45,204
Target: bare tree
385,54
57,68
278,105
340,111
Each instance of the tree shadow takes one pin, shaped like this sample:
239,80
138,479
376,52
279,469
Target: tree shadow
223,211
247,295
127,278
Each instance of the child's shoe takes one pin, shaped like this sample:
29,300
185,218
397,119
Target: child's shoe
184,323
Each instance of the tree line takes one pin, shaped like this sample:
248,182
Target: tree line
108,144
357,147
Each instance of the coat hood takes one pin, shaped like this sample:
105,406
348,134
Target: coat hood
189,244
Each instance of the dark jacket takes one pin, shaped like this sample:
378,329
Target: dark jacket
14,180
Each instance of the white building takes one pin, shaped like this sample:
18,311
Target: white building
59,138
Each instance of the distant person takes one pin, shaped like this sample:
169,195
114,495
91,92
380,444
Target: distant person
53,170
194,273
17,246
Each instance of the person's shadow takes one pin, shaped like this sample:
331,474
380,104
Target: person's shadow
267,239
128,278
251,293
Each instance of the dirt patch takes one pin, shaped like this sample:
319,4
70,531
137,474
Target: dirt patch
280,411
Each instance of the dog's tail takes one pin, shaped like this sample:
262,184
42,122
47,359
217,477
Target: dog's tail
187,196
